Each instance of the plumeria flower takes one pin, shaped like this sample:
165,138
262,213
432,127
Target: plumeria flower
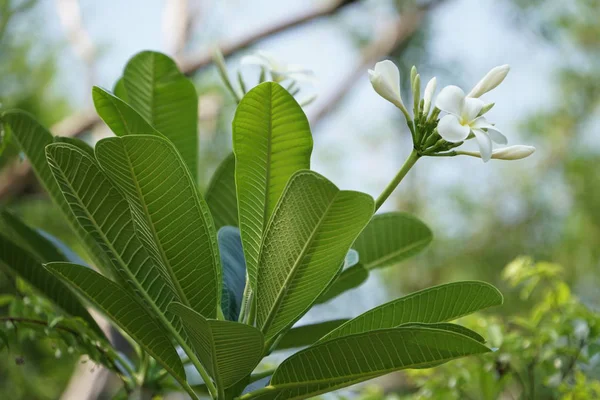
280,71
505,153
385,78
463,119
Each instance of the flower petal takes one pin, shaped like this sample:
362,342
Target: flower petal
256,59
485,144
493,132
451,130
451,100
428,94
471,109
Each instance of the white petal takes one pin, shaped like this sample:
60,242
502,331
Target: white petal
428,94
490,80
385,79
513,152
451,100
451,130
485,144
471,109
493,132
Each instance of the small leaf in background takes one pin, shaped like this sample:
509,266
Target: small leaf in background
228,350
271,141
234,270
166,99
350,278
391,238
221,196
308,237
435,304
171,218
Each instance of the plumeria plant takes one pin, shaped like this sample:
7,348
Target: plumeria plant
208,284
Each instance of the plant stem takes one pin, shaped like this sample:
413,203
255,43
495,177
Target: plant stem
408,164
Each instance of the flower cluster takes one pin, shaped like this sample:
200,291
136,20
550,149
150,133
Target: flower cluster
464,114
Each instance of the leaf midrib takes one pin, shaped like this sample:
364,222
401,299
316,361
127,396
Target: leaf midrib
159,246
376,262
284,288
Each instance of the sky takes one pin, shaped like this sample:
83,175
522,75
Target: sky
366,137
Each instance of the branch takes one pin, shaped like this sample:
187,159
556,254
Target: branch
393,34
14,177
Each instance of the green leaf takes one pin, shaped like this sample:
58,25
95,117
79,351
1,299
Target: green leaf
125,310
352,359
104,213
32,139
305,243
349,279
446,326
18,262
432,305
31,239
228,350
120,117
390,238
119,90
306,335
165,98
171,218
271,141
221,196
234,271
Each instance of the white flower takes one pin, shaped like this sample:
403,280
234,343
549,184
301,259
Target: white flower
462,120
385,78
490,81
279,70
428,95
506,153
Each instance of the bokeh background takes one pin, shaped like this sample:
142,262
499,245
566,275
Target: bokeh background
482,215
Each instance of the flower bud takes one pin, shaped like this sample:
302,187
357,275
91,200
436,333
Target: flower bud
490,80
513,152
428,95
385,78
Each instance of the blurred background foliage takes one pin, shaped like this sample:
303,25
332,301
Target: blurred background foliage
483,216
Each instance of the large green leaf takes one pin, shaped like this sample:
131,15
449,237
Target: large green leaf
234,271
125,310
171,218
17,261
436,304
350,278
166,99
228,350
352,359
447,326
221,196
120,117
32,139
271,141
305,243
305,335
104,213
390,238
